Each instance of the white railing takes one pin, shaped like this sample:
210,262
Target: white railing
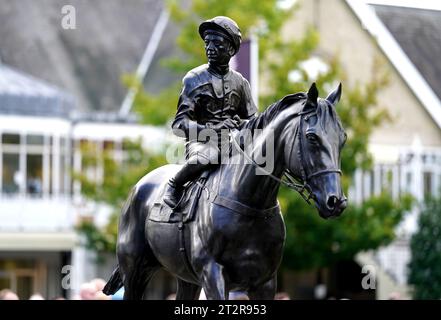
21,213
417,171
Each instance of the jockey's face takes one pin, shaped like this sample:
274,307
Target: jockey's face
218,49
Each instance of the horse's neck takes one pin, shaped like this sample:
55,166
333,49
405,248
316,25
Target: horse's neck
246,182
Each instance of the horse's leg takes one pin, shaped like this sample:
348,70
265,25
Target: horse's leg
266,291
214,281
187,291
136,260
137,273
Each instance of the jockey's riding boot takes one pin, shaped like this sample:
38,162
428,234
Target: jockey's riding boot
173,193
175,185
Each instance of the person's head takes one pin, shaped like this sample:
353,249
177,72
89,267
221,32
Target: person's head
394,296
7,294
87,291
282,296
171,296
222,39
99,284
36,296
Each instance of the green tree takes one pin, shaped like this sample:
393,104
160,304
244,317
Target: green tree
425,246
111,185
314,243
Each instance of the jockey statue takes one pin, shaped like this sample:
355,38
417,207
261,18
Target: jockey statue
213,97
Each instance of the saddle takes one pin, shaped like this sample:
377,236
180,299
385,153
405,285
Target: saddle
186,210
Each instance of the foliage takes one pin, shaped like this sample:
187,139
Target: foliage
267,18
425,246
153,109
111,184
313,242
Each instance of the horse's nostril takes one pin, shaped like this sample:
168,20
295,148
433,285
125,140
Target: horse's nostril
332,202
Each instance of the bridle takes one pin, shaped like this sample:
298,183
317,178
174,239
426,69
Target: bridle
301,185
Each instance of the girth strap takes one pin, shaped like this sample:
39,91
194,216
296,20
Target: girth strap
243,208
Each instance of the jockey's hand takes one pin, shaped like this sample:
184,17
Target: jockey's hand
237,119
227,124
231,123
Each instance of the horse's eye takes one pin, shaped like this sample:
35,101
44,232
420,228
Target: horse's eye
312,120
312,138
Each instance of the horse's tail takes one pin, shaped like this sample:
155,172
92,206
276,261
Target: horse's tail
114,283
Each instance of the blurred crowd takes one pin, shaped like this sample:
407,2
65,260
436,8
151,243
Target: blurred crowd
236,295
92,290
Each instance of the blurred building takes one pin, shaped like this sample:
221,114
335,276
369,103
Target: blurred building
36,229
406,151
59,88
40,204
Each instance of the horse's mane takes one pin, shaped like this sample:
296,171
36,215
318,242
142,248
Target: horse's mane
263,119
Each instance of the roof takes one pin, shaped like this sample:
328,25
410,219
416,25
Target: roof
24,95
422,88
418,32
109,41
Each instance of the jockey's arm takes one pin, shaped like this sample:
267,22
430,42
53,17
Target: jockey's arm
183,127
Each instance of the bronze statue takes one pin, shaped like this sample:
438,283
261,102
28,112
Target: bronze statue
224,231
213,97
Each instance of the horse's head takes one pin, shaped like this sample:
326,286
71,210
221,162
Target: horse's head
315,158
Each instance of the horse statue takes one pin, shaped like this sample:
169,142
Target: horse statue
232,236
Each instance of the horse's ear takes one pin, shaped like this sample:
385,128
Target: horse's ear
311,102
334,96
313,94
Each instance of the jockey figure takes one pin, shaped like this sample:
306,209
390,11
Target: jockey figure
214,98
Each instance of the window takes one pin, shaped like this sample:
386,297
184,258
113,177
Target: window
386,179
372,181
20,276
108,145
11,174
409,179
50,174
34,151
64,164
10,138
62,144
34,174
12,177
27,164
34,139
427,184
62,173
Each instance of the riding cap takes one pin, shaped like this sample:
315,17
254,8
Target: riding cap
224,26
